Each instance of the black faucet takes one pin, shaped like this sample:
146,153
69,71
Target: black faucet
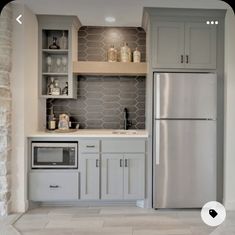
127,123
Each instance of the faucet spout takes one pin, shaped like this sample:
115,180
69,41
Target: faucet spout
127,123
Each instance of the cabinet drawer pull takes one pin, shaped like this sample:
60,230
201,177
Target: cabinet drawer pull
121,165
187,59
182,59
97,162
126,162
54,186
90,146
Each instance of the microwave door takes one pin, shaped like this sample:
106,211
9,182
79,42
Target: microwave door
54,155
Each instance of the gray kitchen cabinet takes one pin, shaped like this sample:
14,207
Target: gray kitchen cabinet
187,45
53,186
90,176
200,45
134,176
168,44
112,176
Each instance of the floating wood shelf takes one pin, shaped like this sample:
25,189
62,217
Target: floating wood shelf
109,68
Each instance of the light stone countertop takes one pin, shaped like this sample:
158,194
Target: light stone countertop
93,133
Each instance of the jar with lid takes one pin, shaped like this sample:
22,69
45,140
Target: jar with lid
136,56
125,53
112,54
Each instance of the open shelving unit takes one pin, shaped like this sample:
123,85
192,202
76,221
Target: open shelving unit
61,67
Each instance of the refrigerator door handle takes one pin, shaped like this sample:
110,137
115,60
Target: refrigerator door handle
157,96
157,142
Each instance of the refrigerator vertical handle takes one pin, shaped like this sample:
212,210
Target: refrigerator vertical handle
157,142
157,96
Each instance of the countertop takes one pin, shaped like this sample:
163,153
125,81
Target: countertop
93,133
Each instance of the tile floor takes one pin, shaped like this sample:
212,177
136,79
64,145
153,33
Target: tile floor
115,221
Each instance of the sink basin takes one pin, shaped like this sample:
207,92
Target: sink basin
124,132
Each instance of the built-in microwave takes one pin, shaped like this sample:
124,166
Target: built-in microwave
50,155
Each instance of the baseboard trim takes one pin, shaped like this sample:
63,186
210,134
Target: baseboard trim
85,203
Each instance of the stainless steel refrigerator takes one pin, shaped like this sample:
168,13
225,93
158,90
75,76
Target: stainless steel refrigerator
184,139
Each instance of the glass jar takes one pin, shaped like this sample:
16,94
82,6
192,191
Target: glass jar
64,42
56,90
125,53
112,54
136,56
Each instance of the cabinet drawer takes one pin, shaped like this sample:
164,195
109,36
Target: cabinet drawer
89,146
123,146
48,186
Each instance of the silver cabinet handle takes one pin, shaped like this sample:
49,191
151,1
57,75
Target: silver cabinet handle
187,59
121,163
90,146
54,186
97,162
182,59
126,162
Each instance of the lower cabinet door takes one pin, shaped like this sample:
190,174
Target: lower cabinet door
112,176
134,176
90,176
53,186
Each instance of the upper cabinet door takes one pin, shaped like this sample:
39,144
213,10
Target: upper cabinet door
200,46
168,45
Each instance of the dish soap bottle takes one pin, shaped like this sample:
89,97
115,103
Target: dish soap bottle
125,53
136,56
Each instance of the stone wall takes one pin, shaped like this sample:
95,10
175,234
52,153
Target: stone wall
5,107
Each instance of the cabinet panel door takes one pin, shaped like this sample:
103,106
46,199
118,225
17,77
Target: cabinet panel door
112,176
200,46
134,176
53,186
90,176
168,45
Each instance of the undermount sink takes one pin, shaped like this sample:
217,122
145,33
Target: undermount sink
125,132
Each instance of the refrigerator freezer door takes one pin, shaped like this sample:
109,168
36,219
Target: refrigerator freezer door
185,174
185,96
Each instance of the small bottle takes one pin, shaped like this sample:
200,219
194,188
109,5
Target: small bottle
136,56
112,54
65,89
52,121
125,53
50,86
63,42
56,90
54,44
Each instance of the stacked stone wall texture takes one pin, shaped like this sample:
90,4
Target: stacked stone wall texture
5,108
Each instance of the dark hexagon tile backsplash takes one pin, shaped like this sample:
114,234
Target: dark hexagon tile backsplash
102,99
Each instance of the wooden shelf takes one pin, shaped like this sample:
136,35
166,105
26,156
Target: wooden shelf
55,74
109,68
58,52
